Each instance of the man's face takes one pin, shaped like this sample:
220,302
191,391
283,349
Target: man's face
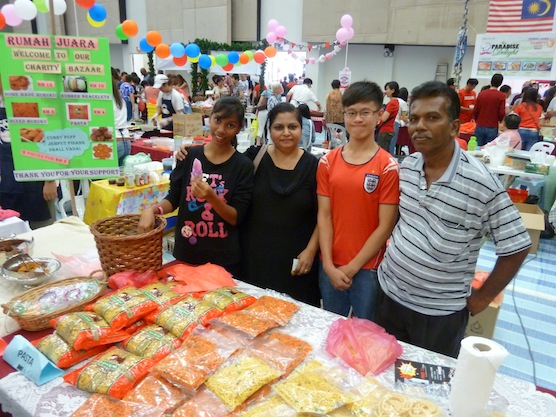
243,77
470,87
430,127
166,88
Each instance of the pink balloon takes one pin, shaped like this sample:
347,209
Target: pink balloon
11,16
346,21
329,55
271,37
312,60
351,33
294,55
342,35
272,25
281,31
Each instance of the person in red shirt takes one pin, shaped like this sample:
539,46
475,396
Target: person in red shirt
467,98
490,109
386,132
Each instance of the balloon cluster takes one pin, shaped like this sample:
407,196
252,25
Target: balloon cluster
343,35
15,14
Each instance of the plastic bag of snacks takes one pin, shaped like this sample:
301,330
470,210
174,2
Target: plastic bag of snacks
112,373
393,404
61,354
371,391
203,404
156,392
182,318
201,354
271,308
132,279
308,390
228,299
283,351
246,323
101,406
240,377
124,307
272,406
85,330
152,342
135,327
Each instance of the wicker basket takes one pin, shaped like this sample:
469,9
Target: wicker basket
122,248
36,322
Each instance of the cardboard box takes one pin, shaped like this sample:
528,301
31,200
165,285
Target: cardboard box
483,324
533,217
188,125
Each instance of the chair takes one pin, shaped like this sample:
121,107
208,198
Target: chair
544,147
79,199
337,135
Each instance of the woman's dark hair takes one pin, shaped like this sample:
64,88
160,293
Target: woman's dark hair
433,89
393,85
404,94
115,90
530,97
335,84
303,109
278,109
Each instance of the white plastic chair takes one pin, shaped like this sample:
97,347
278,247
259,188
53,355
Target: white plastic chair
79,199
337,135
545,147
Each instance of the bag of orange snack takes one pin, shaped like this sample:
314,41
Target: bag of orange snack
61,354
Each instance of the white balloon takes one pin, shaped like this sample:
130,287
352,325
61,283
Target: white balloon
60,7
337,48
25,9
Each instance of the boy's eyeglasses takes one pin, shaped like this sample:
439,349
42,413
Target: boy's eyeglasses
366,114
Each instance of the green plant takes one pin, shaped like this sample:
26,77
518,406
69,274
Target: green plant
151,64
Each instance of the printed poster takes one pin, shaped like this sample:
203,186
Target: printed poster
529,56
58,96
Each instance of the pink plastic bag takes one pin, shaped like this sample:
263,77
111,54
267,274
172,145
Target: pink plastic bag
363,345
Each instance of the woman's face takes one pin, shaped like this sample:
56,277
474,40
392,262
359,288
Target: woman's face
285,131
224,129
389,91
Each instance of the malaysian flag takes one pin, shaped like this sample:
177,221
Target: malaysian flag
518,16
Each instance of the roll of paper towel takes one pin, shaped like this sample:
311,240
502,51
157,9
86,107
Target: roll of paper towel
478,362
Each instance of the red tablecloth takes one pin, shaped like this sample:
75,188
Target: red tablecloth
156,154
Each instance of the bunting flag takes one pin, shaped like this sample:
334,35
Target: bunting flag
519,16
302,46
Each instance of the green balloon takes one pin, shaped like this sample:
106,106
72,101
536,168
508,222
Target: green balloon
120,33
222,59
250,54
41,5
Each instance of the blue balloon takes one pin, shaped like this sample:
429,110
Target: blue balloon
98,13
233,57
177,50
205,62
192,50
145,47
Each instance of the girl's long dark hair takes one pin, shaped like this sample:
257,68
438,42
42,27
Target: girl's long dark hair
115,90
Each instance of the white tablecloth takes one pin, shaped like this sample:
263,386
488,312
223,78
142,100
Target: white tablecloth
22,398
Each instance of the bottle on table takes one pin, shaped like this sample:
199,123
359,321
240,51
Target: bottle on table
472,144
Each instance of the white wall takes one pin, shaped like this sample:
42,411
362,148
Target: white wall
410,66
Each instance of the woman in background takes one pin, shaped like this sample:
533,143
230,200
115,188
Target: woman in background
307,128
530,112
120,121
334,109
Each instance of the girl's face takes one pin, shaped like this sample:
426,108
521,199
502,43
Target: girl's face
224,129
389,91
285,131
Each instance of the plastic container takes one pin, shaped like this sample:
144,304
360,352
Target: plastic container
472,144
167,164
517,195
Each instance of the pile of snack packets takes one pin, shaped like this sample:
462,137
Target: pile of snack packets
157,352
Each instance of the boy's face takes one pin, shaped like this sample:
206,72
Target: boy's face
361,119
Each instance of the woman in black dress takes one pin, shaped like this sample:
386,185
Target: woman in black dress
280,225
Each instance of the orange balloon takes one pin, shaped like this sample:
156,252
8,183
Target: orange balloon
270,51
228,67
180,61
162,50
153,38
130,28
244,59
259,57
2,21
